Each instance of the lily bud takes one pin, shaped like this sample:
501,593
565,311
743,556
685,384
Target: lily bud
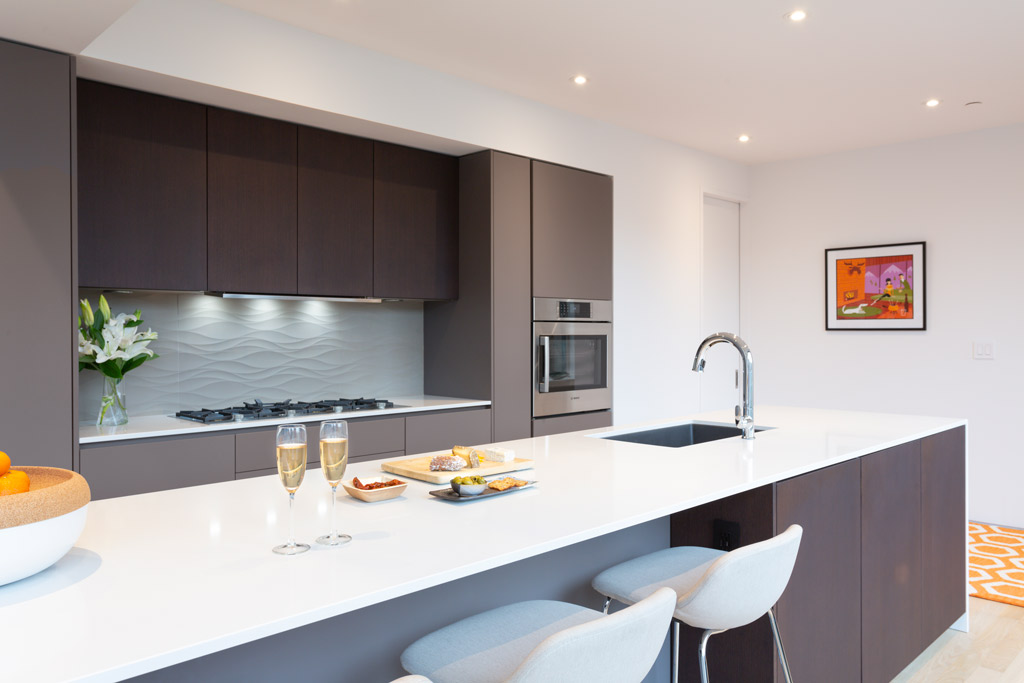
87,311
104,307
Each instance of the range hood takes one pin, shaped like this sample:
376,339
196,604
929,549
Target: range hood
299,297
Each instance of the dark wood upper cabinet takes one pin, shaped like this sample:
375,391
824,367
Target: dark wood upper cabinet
335,214
252,203
141,190
415,221
572,233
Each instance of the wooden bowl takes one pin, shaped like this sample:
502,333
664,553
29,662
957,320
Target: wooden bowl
374,495
40,526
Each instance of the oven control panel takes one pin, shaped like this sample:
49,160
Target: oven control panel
572,309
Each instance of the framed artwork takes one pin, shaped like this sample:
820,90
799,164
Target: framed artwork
880,287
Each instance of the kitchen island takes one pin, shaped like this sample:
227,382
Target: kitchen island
186,577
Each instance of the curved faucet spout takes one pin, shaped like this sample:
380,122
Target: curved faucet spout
744,415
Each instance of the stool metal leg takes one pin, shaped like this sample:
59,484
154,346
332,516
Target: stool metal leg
778,646
702,652
675,651
607,603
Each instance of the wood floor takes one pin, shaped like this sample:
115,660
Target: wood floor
992,651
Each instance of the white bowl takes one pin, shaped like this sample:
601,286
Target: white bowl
30,548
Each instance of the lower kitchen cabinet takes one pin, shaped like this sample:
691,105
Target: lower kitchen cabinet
880,573
825,585
145,465
438,431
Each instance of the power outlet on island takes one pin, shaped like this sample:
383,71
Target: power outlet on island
984,350
727,535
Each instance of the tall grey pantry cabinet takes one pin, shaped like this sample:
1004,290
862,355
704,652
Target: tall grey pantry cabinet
37,300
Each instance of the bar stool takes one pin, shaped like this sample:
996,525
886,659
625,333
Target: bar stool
717,590
541,641
412,679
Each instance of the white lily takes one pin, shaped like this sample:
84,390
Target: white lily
85,347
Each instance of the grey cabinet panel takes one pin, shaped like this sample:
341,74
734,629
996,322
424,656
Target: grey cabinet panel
369,437
825,585
377,456
512,392
256,449
143,466
943,530
891,560
572,233
571,423
36,412
443,430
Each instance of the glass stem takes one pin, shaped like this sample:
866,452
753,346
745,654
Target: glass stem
334,511
291,519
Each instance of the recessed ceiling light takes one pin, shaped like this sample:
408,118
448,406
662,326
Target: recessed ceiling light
797,15
580,80
744,138
932,103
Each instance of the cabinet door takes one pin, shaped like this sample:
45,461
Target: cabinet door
252,203
572,233
891,560
943,531
142,466
825,585
374,436
141,190
438,431
256,449
37,416
547,426
415,224
335,214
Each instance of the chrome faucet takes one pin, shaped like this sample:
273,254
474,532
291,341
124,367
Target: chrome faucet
744,418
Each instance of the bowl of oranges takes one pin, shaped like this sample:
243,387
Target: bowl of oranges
42,514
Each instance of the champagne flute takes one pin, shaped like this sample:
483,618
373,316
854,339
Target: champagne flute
291,465
333,460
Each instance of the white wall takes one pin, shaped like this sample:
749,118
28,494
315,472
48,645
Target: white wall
657,184
962,195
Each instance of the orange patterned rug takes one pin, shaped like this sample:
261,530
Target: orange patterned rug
996,567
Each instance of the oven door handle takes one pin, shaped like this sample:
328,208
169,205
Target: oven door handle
545,386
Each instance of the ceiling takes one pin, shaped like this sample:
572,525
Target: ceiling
853,74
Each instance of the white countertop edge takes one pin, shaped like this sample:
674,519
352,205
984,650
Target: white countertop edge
369,599
153,426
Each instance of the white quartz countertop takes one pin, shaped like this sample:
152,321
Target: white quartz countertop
161,578
148,426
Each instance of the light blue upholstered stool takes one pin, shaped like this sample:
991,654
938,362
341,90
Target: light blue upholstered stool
412,679
544,641
717,590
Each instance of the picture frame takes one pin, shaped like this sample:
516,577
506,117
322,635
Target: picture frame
877,287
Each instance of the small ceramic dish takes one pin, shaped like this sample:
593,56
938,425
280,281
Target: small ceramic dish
374,495
468,489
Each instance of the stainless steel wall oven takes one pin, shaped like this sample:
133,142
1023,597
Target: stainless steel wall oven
572,356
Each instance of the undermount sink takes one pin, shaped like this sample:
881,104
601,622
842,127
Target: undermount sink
677,436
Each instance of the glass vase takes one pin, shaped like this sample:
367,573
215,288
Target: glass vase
112,403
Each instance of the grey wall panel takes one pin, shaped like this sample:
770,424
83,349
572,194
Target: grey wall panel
512,316
457,334
143,466
439,431
37,306
571,423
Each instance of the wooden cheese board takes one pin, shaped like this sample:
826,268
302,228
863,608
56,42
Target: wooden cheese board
419,468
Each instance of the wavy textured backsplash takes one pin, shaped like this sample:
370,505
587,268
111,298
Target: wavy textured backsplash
217,352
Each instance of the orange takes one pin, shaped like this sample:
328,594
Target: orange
5,463
13,482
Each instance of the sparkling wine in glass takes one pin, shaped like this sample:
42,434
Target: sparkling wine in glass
291,466
333,461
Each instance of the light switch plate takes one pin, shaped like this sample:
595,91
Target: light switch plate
984,350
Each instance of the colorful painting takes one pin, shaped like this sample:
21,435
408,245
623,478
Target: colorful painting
875,288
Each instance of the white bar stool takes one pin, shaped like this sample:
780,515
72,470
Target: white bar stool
717,590
412,679
541,641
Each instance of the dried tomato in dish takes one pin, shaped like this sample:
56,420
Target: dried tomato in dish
375,484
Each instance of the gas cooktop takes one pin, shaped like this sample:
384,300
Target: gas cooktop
258,410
